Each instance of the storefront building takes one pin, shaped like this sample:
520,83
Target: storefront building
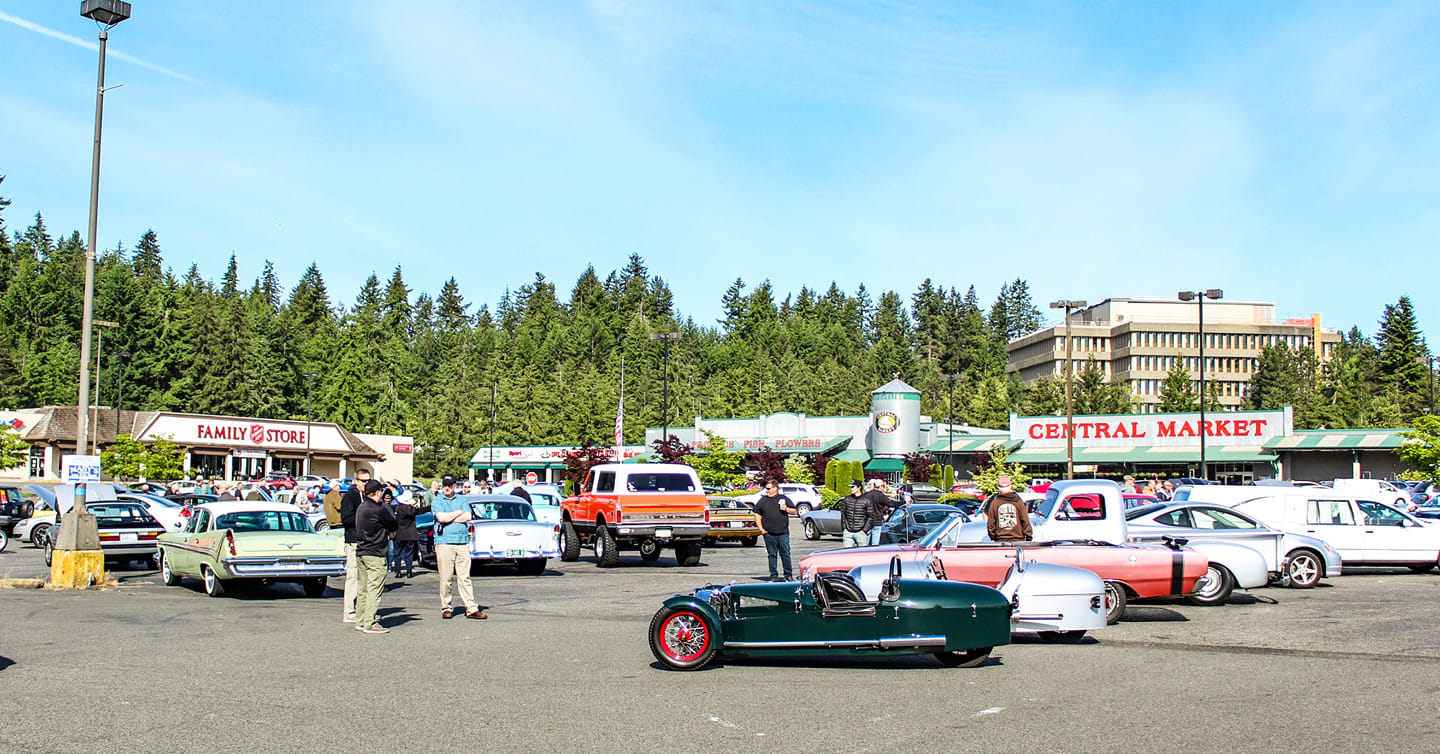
216,447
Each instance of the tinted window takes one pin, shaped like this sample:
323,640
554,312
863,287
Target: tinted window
201,521
1143,510
502,511
661,482
605,482
1218,518
1380,515
1331,512
1178,517
120,514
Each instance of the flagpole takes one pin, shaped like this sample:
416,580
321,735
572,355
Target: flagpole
620,415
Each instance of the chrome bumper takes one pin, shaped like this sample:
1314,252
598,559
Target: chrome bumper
283,568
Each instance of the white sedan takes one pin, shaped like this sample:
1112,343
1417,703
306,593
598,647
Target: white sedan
504,530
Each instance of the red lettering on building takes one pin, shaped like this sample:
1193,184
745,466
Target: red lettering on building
1167,429
1036,431
1102,431
1052,431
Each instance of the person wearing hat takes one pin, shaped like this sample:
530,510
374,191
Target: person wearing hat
880,507
1006,517
452,552
856,517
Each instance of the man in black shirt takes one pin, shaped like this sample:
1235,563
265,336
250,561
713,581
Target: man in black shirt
348,503
772,515
374,523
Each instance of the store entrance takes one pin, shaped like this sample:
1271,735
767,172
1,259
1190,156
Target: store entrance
208,466
249,468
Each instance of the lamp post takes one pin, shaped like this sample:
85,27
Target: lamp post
120,356
99,374
665,382
490,471
1069,305
309,391
1429,362
78,561
1199,298
950,380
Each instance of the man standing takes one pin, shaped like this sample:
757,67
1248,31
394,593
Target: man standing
1006,517
349,502
880,507
772,515
855,517
1167,492
373,524
452,551
332,504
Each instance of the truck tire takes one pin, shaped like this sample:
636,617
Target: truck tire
569,542
687,554
607,553
649,550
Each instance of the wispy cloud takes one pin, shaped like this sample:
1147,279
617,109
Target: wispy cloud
78,42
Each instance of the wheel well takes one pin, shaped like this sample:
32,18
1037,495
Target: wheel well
1130,593
600,519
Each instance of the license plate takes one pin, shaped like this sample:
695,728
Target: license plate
663,533
737,524
514,553
129,537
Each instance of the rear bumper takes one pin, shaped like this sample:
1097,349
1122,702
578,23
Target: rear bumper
663,531
283,568
504,556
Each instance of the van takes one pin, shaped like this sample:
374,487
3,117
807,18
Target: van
1365,532
1375,489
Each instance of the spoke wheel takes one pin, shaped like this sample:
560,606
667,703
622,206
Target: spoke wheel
1303,570
167,574
682,638
1214,587
811,530
1114,602
967,659
49,550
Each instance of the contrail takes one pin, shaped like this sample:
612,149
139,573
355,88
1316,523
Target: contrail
22,23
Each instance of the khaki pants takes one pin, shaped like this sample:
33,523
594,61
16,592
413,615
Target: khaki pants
351,581
371,572
454,564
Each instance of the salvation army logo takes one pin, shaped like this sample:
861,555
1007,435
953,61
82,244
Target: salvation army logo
257,433
886,422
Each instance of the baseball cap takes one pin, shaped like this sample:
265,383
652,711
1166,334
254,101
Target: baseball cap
1003,481
447,481
856,484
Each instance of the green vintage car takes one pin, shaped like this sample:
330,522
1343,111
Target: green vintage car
251,540
828,615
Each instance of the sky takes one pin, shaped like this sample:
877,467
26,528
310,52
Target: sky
1282,152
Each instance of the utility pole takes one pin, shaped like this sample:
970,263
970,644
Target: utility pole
666,337
1068,305
1199,297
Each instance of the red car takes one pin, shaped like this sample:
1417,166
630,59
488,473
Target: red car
1129,571
280,481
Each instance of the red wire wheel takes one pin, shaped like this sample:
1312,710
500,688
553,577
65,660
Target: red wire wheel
683,638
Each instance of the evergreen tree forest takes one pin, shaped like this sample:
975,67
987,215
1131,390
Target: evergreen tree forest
391,358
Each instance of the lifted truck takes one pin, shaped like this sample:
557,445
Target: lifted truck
645,507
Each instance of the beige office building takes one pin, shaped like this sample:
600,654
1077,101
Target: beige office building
1136,340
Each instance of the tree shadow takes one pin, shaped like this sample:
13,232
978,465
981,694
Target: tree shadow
5,662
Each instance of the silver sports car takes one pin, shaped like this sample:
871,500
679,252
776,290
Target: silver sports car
1293,560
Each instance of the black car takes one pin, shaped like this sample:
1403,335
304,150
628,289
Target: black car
910,523
920,492
14,508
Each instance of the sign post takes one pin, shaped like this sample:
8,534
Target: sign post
76,561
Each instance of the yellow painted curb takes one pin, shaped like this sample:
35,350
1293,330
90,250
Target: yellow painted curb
22,583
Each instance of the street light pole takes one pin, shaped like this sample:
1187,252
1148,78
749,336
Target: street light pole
99,374
665,383
490,472
309,391
1199,297
1429,362
1069,305
950,405
78,560
120,388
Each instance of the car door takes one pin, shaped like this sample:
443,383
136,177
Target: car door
1333,520
182,558
1231,526
1392,537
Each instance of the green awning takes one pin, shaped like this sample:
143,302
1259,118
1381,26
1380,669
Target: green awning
1189,454
972,444
1344,439
859,454
885,465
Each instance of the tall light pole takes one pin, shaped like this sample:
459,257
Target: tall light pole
1429,362
1199,298
99,373
78,560
1069,305
665,381
120,388
490,472
950,380
309,391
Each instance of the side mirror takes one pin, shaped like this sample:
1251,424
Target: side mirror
889,590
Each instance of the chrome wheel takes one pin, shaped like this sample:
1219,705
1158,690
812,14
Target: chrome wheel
1214,587
1303,570
682,638
166,574
1114,602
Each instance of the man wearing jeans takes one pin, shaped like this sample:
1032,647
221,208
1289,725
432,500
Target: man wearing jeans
349,502
452,549
772,515
855,517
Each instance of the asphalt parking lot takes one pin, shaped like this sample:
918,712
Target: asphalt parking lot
563,664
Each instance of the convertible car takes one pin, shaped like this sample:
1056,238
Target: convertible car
504,530
250,540
1129,571
827,615
1058,602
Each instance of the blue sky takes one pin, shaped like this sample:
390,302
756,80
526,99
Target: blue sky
1284,152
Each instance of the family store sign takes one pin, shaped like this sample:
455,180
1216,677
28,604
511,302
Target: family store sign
213,431
1152,430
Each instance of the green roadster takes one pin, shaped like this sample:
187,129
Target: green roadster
828,615
253,541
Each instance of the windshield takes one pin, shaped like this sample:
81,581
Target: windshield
544,498
242,521
502,511
944,535
120,515
1048,504
663,482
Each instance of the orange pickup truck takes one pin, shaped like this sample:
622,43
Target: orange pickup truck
636,506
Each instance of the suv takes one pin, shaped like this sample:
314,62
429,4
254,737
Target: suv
805,497
14,508
633,506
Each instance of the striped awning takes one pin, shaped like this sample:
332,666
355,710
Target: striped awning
972,444
1338,439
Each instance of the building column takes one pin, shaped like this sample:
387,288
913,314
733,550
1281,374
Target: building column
49,471
472,474
229,468
269,459
186,467
344,462
1355,464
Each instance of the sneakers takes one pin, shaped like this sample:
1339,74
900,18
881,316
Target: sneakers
375,629
348,619
446,613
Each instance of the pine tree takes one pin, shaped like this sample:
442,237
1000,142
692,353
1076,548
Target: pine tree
1402,352
1177,392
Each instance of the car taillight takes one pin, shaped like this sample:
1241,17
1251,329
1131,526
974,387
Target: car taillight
185,512
230,540
707,515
